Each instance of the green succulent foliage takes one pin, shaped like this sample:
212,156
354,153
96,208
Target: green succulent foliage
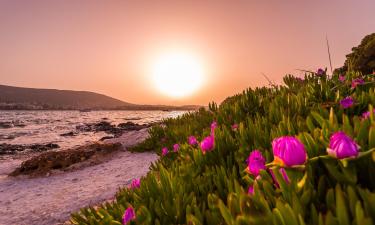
362,57
190,187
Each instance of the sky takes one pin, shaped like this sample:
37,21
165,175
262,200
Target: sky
109,47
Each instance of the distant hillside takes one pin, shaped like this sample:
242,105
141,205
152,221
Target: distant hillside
33,98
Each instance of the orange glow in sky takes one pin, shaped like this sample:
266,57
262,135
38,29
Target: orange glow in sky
119,48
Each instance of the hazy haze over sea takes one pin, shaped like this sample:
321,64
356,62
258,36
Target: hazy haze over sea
41,127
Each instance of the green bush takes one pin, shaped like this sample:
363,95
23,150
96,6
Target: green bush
190,187
362,57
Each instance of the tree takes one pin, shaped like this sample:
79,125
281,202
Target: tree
362,57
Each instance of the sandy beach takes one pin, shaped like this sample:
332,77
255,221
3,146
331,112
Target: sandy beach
51,199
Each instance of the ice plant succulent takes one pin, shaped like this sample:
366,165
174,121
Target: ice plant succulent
342,78
366,115
342,146
357,81
213,127
255,163
176,147
250,191
320,72
347,102
207,144
136,183
164,151
283,173
192,140
288,151
128,215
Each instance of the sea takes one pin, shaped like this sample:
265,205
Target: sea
43,127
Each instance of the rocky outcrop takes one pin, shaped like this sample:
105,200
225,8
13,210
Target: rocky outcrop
10,124
45,162
110,128
13,149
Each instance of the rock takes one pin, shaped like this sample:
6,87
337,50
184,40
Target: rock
11,124
7,137
106,137
69,134
13,149
6,125
42,148
132,126
47,161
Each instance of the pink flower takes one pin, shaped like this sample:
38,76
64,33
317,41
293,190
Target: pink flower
283,173
288,151
255,163
176,147
213,127
235,126
357,81
342,146
128,215
192,140
250,191
342,78
164,151
366,115
320,72
347,102
136,183
207,144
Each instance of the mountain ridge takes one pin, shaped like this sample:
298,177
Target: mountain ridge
24,98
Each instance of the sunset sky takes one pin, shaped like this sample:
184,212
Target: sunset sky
111,47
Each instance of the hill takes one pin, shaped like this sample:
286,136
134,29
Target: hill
13,98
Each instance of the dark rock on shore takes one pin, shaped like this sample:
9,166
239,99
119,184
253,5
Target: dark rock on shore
132,126
106,138
110,128
42,148
11,124
47,161
69,134
14,149
6,124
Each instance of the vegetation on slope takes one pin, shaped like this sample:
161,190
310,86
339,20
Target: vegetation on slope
362,57
197,184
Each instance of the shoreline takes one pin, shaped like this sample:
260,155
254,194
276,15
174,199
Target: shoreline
52,198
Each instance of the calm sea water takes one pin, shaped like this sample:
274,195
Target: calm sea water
41,127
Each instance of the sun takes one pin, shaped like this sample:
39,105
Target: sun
177,74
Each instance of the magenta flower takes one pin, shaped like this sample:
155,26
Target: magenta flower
288,151
366,115
128,215
342,146
320,72
255,163
357,81
136,183
283,173
342,78
164,151
347,102
207,144
250,191
176,147
192,140
213,127
235,126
